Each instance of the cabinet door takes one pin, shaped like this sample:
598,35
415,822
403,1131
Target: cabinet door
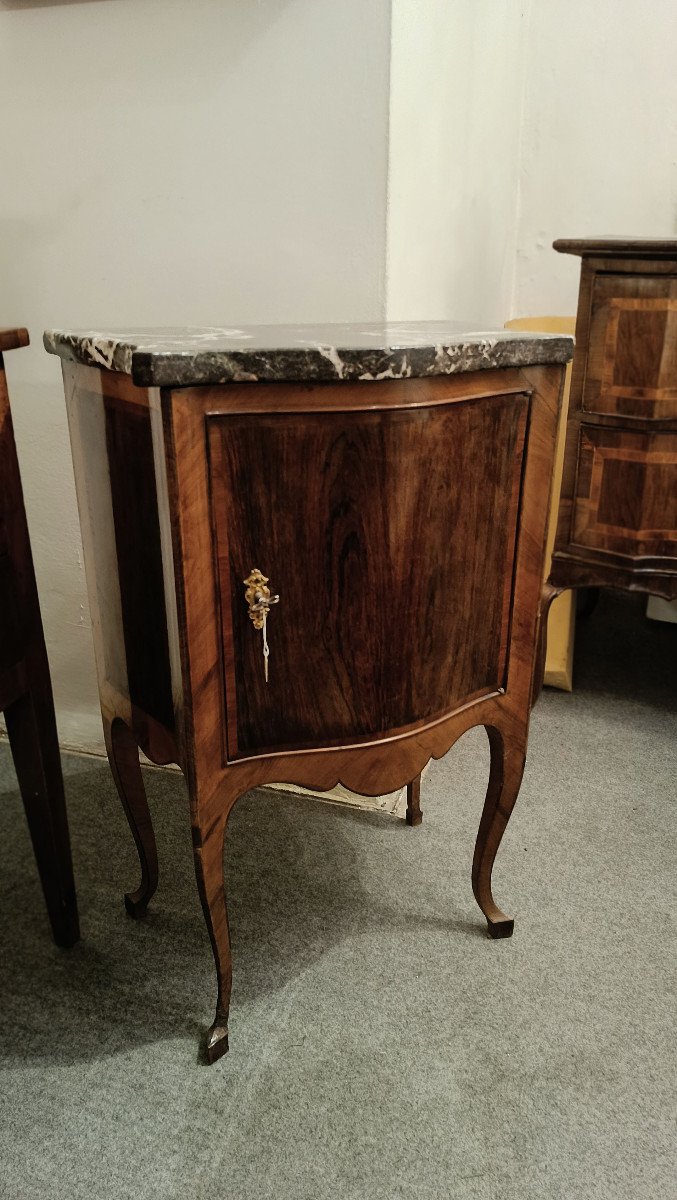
389,536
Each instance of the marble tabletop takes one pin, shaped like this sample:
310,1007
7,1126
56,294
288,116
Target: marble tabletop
304,353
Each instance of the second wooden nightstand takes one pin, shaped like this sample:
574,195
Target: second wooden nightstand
618,510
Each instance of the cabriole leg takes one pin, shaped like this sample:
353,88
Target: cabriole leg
505,777
208,854
548,594
414,815
123,756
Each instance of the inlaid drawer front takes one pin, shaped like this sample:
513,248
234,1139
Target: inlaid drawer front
632,358
626,494
389,538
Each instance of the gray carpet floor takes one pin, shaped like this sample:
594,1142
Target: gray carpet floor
381,1046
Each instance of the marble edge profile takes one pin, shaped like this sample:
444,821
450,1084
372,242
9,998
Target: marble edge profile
321,364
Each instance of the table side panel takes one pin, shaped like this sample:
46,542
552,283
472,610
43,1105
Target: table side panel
136,523
112,438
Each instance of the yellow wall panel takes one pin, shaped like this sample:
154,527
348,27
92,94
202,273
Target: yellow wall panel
562,619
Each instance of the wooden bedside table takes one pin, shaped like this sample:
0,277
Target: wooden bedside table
617,521
314,556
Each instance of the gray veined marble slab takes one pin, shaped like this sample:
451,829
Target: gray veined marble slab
304,353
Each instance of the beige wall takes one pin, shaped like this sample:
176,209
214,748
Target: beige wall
167,163
457,81
218,161
512,123
599,137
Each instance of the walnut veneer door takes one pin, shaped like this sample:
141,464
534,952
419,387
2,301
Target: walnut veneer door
390,537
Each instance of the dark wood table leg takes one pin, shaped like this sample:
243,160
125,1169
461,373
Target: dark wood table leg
123,756
414,815
548,594
208,835
25,685
508,754
33,741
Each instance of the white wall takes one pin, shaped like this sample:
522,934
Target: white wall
599,137
168,162
512,123
457,79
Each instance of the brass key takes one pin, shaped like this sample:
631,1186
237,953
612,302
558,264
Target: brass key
259,599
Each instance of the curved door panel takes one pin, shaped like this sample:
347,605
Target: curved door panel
389,536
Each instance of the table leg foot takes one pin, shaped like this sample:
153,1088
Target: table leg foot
501,929
217,1043
69,934
136,907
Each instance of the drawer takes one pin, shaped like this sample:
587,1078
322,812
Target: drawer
631,366
390,538
626,492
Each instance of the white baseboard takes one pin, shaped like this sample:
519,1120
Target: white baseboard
81,733
658,609
394,802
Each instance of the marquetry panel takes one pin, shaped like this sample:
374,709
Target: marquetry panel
632,360
390,538
626,495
